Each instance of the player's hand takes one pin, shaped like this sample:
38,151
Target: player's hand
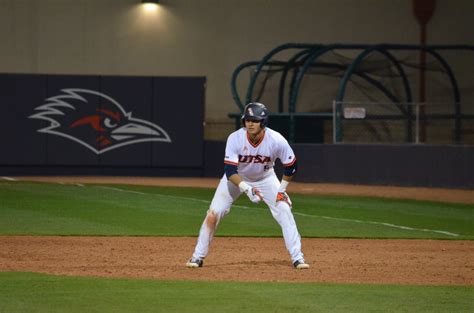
283,196
254,195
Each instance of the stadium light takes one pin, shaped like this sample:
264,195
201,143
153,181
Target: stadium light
150,5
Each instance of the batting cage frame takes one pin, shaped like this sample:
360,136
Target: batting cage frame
297,87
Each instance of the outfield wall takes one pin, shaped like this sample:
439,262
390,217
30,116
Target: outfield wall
401,165
97,124
404,165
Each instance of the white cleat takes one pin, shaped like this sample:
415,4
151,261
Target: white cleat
194,262
300,264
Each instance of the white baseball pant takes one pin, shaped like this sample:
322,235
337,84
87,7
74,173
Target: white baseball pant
226,193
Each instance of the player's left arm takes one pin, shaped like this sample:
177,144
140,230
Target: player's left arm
289,170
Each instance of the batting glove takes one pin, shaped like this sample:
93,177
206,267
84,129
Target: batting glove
253,193
282,195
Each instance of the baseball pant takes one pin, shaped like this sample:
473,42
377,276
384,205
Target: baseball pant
226,193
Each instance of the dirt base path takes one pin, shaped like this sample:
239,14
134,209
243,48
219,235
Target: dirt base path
414,262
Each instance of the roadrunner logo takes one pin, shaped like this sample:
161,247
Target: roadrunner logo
95,121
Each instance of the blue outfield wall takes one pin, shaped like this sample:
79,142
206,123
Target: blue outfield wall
403,165
399,165
101,125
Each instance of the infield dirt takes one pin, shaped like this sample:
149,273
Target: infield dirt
413,262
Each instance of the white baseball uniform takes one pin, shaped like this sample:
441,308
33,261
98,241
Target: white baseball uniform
255,166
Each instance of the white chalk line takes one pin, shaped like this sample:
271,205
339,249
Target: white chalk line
151,194
381,223
61,183
296,213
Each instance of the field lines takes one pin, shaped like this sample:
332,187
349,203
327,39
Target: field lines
28,208
401,227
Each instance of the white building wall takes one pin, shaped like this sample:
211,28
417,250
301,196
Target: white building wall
202,37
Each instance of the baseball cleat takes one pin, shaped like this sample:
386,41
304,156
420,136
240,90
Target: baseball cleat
300,264
194,262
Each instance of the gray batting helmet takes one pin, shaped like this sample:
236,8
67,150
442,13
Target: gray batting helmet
256,111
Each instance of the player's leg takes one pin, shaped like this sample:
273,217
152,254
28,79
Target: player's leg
225,195
281,212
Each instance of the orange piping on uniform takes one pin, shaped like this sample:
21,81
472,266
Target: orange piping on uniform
259,142
231,163
291,163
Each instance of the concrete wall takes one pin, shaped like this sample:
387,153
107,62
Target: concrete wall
202,37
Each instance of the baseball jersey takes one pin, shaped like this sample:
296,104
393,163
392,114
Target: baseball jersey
255,161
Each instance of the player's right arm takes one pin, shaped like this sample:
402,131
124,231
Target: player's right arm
235,179
231,162
253,193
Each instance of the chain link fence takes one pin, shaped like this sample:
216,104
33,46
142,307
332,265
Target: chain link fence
377,122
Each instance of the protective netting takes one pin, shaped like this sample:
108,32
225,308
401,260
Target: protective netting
392,79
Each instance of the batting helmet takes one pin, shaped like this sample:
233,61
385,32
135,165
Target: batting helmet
256,111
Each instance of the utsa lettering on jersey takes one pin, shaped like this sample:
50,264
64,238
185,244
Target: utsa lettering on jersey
254,159
250,156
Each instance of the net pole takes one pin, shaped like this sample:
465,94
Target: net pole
334,121
417,135
423,11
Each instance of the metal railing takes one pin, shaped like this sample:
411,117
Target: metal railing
378,122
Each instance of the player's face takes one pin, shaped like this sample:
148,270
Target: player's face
253,127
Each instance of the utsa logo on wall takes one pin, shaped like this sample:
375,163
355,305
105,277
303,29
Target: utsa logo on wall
73,114
90,120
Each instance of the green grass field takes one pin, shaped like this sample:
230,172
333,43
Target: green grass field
54,209
25,292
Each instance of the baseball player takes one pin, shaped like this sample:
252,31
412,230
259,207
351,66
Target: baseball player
250,155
